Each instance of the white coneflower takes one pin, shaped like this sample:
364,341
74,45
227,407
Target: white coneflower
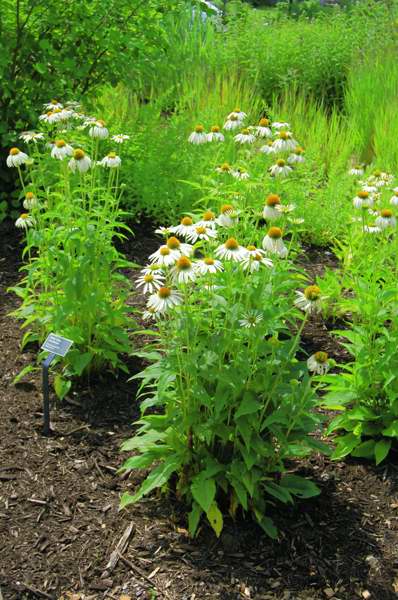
280,169
239,173
268,148
238,114
149,314
318,363
295,220
208,219
374,213
120,138
111,161
80,161
165,231
24,221
245,137
285,209
310,300
65,114
356,170
184,228
72,104
152,268
231,250
215,135
198,136
362,199
263,128
394,198
371,229
224,168
176,246
184,270
380,179
51,117
61,150
16,158
88,121
31,136
372,189
30,201
98,130
165,256
164,299
386,219
273,242
232,123
280,125
52,105
269,211
296,156
285,142
208,265
254,259
251,319
227,217
201,232
150,282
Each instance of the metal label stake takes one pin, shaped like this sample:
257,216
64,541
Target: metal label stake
56,345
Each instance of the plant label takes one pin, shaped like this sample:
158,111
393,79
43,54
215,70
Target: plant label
56,344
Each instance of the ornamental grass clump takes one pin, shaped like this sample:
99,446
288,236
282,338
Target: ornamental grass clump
227,405
72,284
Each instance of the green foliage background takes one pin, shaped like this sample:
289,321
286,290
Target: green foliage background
66,50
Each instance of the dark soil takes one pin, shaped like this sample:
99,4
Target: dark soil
59,496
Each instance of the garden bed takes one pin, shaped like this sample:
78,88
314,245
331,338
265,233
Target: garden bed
59,496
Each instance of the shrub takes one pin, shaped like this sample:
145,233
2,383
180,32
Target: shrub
72,283
234,405
365,390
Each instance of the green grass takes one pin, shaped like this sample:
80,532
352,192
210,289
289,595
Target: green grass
299,70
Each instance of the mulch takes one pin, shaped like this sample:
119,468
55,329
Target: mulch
61,532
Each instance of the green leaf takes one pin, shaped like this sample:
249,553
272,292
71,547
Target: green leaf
339,422
142,442
204,491
61,386
345,445
240,492
299,486
137,462
318,445
267,525
215,518
23,372
245,430
79,361
278,492
337,400
158,477
364,450
391,430
126,499
248,406
382,448
194,518
361,413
